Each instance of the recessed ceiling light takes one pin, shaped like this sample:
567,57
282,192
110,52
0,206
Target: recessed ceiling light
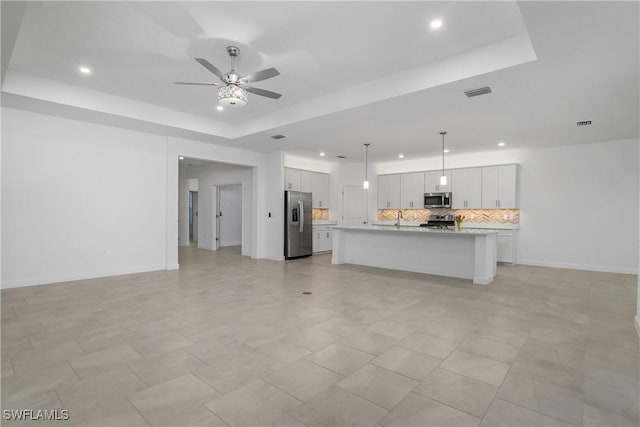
85,70
181,158
322,154
401,156
219,108
501,144
446,150
436,23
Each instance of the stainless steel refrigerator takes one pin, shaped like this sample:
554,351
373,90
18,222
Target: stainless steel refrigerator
298,238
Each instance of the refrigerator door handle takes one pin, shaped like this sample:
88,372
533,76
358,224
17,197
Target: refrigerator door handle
301,205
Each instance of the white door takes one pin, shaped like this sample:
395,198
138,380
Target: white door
354,205
230,215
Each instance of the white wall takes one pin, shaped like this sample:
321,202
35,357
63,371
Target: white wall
217,174
637,319
79,200
82,200
273,201
573,202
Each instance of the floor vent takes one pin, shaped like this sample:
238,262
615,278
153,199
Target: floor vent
480,91
585,123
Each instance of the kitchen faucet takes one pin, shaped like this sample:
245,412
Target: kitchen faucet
399,216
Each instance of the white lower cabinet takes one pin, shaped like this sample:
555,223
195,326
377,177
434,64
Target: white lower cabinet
506,245
322,239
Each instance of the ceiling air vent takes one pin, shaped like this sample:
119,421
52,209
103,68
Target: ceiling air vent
585,123
278,136
341,157
480,91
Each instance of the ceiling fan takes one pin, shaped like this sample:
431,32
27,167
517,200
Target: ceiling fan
233,87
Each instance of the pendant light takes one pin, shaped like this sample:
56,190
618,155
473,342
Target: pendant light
443,178
365,185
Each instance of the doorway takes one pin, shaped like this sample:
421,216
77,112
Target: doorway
193,216
354,205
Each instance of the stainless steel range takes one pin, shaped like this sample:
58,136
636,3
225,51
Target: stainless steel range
439,221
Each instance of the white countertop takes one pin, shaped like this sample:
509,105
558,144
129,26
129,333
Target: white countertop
416,229
465,225
321,223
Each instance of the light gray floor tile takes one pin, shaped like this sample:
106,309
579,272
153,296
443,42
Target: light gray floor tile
544,397
371,342
463,393
229,321
96,363
417,410
337,407
378,385
340,358
172,399
489,348
312,338
429,345
407,362
303,379
257,403
506,414
480,368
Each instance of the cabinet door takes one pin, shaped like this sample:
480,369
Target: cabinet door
507,187
432,182
326,240
459,189
306,181
474,188
412,190
292,179
316,241
389,191
320,189
490,179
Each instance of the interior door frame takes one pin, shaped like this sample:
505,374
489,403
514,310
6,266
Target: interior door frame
215,217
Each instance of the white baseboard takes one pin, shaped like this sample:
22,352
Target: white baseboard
586,267
79,276
224,244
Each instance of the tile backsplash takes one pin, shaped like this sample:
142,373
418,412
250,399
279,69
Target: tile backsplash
472,216
318,214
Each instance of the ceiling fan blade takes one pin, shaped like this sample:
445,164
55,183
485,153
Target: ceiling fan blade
262,92
260,75
196,83
206,64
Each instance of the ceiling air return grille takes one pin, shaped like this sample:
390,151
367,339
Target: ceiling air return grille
476,92
584,123
341,157
278,136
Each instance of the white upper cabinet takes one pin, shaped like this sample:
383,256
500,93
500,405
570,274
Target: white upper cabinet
320,190
306,184
315,183
389,191
432,182
466,188
412,190
499,187
292,179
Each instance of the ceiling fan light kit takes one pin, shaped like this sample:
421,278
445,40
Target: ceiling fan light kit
232,95
233,89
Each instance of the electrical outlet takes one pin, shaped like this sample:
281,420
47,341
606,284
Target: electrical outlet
472,216
510,216
505,216
415,216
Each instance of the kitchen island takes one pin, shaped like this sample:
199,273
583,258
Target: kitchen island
466,254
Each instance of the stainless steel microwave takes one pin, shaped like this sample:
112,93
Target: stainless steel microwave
437,200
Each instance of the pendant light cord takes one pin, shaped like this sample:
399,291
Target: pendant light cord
366,162
443,134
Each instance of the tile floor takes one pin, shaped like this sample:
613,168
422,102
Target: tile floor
228,340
